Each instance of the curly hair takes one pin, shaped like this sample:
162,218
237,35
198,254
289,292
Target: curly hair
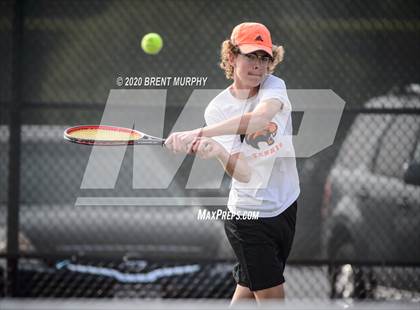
228,48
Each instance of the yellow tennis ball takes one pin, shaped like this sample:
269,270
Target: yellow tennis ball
152,43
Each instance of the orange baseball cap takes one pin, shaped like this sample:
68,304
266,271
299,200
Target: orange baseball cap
251,37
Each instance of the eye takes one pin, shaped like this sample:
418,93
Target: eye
252,57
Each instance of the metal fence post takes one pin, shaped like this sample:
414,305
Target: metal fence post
14,154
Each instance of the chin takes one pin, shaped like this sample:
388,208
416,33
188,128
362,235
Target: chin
254,81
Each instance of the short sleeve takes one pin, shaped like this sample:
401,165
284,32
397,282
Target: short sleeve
231,143
275,88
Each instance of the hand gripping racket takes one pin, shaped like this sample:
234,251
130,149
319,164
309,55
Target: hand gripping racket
109,135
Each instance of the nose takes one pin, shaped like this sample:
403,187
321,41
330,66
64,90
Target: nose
258,63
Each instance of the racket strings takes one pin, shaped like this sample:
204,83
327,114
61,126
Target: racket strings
104,135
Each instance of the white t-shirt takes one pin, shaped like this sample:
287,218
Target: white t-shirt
274,183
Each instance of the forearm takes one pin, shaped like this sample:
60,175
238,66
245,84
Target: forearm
235,166
247,123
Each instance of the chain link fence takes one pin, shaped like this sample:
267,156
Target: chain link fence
357,232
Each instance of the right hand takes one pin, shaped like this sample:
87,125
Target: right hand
206,148
182,141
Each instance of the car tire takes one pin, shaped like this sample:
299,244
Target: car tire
349,281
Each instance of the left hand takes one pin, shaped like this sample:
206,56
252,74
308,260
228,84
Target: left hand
182,141
206,148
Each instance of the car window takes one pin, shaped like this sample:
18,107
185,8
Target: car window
359,146
397,146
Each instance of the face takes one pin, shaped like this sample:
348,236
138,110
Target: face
250,69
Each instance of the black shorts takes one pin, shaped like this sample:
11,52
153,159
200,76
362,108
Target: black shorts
262,247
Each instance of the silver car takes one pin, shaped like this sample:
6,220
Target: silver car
371,205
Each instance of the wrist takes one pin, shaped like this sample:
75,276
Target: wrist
204,132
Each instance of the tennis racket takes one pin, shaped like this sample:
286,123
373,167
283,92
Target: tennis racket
109,135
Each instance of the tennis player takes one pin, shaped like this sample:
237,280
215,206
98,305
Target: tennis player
249,129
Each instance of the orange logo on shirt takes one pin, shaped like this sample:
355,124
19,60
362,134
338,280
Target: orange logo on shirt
266,134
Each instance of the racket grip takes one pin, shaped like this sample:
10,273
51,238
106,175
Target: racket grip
192,146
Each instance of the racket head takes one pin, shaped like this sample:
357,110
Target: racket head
103,135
